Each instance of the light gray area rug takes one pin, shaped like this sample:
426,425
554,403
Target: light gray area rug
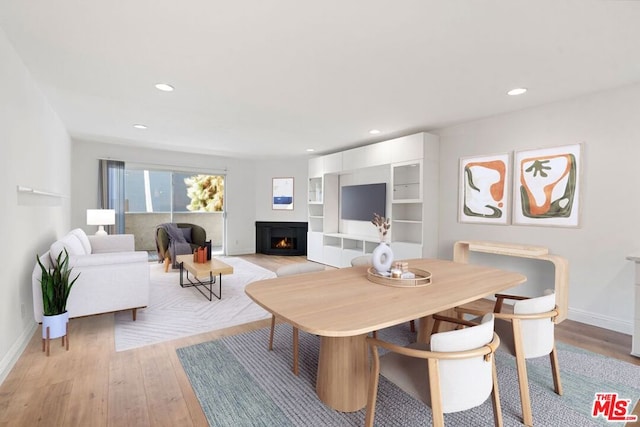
176,312
240,383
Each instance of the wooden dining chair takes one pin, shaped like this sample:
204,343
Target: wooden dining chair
527,333
439,374
289,270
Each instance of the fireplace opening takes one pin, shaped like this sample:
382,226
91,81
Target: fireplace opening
281,238
283,243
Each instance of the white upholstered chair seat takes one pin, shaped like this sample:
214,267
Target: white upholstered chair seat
439,374
537,333
526,334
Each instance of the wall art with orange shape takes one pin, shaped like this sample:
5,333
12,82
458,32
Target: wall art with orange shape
547,186
484,189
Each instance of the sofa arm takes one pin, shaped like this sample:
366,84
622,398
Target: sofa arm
112,243
109,258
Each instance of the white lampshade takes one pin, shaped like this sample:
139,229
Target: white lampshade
101,217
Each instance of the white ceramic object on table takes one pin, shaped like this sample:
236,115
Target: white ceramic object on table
382,257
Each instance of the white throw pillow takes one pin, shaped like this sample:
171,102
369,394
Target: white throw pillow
69,242
82,236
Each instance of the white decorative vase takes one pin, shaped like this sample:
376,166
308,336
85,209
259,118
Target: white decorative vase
382,257
57,325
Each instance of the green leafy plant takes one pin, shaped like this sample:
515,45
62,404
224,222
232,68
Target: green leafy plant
56,285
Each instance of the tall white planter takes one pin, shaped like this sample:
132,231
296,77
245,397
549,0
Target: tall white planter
57,325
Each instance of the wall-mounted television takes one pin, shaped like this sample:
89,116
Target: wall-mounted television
359,202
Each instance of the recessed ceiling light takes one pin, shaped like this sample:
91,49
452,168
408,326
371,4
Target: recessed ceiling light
139,126
517,91
164,87
311,150
374,131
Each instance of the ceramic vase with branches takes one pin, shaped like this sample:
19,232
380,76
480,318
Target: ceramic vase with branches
382,256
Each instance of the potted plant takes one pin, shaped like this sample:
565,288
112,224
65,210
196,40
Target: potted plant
56,285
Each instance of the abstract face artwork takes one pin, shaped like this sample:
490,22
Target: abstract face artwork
547,186
484,189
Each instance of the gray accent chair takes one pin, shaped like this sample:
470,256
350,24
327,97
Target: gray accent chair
194,234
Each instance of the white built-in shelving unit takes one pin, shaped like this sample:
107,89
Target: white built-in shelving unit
409,166
635,343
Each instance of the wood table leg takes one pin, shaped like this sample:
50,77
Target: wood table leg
343,372
425,324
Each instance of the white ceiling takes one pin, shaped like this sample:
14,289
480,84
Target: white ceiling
259,78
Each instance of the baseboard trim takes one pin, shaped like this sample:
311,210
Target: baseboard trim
241,251
605,322
7,363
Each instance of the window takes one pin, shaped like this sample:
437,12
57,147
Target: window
163,191
154,197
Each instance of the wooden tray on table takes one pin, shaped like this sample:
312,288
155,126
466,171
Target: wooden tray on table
423,278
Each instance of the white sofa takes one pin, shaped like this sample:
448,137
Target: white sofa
113,275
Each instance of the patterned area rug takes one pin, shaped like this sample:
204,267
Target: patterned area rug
176,312
240,383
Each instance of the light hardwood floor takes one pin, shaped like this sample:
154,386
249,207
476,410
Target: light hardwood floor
92,385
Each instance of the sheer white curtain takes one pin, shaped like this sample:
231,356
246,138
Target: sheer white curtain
111,191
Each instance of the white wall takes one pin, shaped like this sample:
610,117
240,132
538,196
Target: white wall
601,291
35,153
265,171
239,185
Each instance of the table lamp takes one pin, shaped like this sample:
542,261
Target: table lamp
101,217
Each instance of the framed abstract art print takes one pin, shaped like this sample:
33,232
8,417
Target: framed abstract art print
282,194
547,186
484,189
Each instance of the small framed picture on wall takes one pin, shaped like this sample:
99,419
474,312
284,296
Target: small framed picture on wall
484,189
282,194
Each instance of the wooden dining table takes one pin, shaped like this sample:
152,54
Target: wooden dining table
343,306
